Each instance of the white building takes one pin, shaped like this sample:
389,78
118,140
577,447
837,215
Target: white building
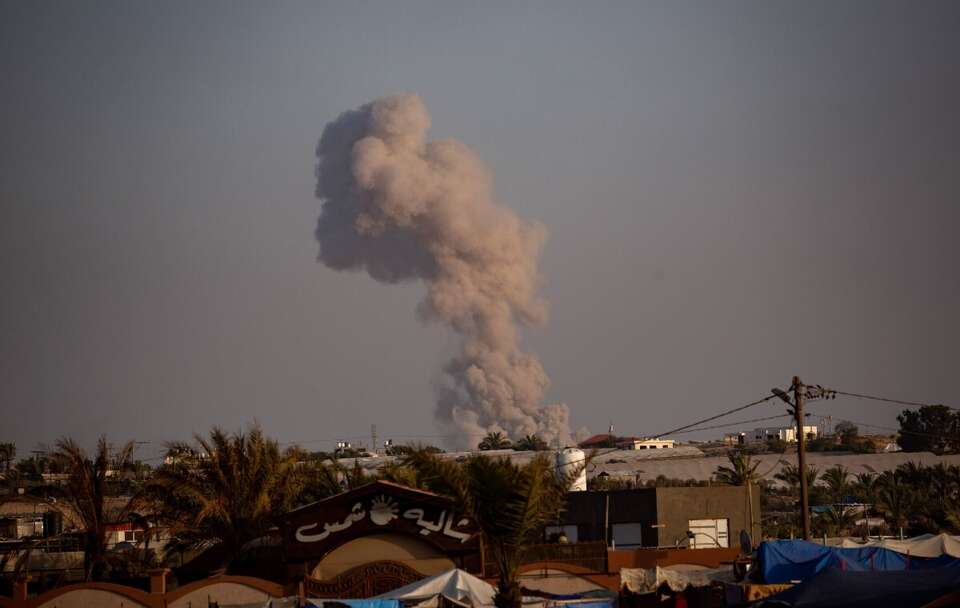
646,444
787,434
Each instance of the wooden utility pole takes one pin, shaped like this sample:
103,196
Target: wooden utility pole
798,397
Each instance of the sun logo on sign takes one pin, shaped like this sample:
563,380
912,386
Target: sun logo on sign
383,510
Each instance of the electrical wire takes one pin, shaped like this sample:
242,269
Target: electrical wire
729,424
894,401
712,418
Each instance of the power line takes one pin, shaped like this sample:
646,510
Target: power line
712,418
729,424
895,401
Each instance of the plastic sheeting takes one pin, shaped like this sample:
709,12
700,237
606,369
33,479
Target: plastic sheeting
648,580
277,602
371,603
456,585
927,545
784,561
836,588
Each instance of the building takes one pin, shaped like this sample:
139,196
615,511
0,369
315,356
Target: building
633,443
695,517
376,538
787,434
606,440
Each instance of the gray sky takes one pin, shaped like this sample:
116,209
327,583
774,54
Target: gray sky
736,192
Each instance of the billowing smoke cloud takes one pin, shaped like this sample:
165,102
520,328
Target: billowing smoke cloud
403,208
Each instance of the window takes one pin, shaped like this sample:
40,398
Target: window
627,535
570,531
708,533
132,536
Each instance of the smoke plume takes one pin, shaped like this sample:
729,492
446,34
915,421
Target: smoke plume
404,208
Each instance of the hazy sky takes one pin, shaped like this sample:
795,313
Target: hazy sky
736,192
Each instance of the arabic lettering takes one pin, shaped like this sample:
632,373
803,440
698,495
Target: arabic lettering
356,514
444,523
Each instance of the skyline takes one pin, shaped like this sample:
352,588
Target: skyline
734,194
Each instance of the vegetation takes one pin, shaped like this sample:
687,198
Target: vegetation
932,428
495,441
8,454
531,443
228,492
740,472
509,502
86,492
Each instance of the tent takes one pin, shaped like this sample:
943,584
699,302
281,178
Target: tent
455,585
648,580
835,588
926,545
785,561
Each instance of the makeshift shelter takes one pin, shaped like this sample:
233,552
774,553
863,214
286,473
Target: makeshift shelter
835,588
785,561
649,580
926,545
454,585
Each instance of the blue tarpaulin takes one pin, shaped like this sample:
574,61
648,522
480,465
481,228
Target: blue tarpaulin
783,561
357,603
836,589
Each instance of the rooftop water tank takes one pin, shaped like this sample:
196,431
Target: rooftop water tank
570,461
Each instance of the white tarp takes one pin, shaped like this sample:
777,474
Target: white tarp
927,545
455,585
648,580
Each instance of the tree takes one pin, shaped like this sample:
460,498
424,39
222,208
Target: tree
790,475
86,492
494,441
510,504
932,428
323,478
531,443
866,487
847,432
837,481
227,493
895,498
740,472
8,453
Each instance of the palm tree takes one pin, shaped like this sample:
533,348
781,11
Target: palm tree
790,475
895,498
510,504
8,453
531,443
838,520
327,478
740,472
86,493
866,487
837,480
494,441
227,493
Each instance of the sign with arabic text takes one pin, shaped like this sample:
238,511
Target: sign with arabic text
377,508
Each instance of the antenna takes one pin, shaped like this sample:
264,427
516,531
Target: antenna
373,439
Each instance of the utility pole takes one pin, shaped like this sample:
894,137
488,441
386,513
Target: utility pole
798,397
801,394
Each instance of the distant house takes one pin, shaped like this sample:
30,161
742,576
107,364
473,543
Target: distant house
606,440
787,434
694,517
633,443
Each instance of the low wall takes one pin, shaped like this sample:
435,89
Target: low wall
221,589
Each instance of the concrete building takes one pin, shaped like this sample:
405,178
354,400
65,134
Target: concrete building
695,517
787,434
633,443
